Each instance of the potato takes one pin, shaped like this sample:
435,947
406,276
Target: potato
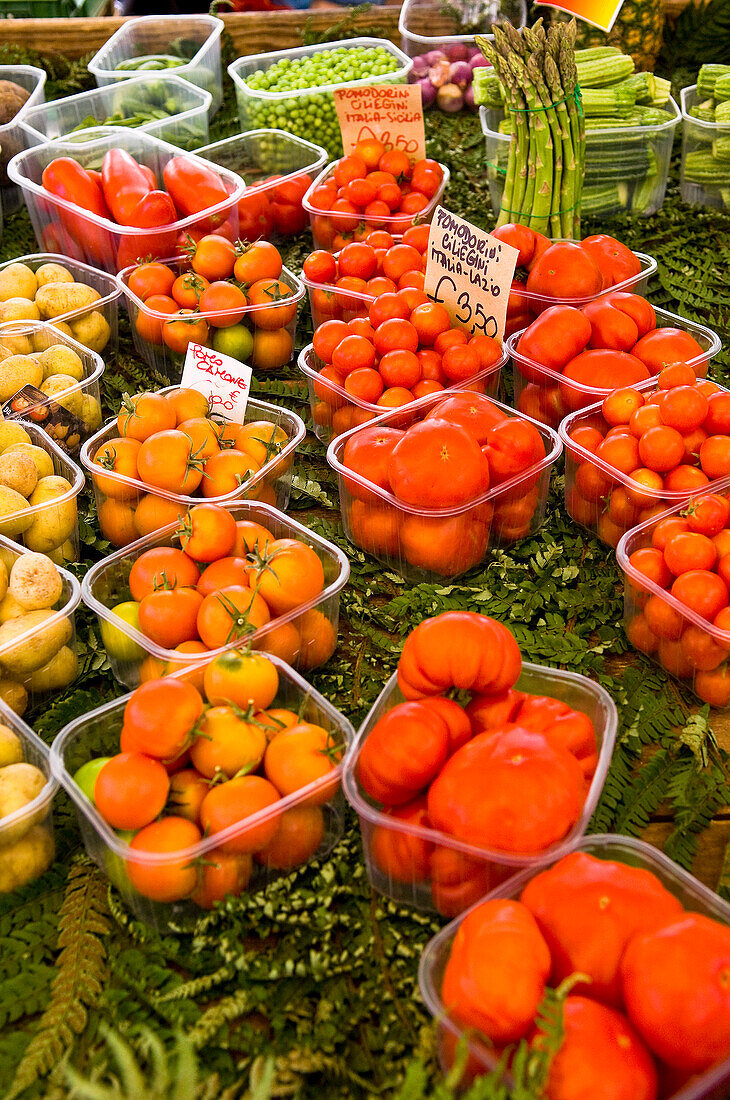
29,653
17,371
63,554
10,609
18,309
35,582
15,696
26,859
12,433
11,747
51,526
43,339
15,514
17,281
57,673
42,460
90,412
18,471
92,330
61,359
19,785
4,571
57,387
17,344
53,273
53,299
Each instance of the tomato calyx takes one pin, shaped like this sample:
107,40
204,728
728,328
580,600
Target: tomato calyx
188,317
240,623
108,462
192,281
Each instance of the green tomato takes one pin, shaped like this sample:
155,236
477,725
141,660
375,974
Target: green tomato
115,866
117,644
85,777
235,341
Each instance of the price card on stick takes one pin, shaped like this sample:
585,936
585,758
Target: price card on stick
225,381
392,113
470,273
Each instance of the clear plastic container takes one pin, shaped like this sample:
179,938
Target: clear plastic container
712,1085
99,241
308,112
97,733
430,545
26,835
626,166
607,521
549,397
107,304
13,138
481,868
107,584
42,657
51,524
258,156
690,648
326,235
705,172
425,25
199,40
166,361
81,397
184,124
271,484
335,411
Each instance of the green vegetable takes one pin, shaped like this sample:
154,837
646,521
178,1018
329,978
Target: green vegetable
722,112
151,61
722,88
616,102
311,113
707,77
604,70
702,167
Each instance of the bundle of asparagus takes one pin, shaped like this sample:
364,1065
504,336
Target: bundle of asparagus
546,157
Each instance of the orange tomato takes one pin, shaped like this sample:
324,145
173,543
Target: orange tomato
300,756
118,456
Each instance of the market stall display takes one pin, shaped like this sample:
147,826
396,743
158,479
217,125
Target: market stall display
432,540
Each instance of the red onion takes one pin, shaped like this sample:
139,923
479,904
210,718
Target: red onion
428,92
479,62
457,51
460,73
469,97
440,74
420,67
433,57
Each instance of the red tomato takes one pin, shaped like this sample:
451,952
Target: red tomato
437,464
402,753
616,262
666,345
433,657
565,270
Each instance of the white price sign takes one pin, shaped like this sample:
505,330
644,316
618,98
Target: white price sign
225,381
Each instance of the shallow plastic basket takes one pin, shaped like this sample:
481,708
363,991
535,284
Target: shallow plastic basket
704,178
13,138
424,24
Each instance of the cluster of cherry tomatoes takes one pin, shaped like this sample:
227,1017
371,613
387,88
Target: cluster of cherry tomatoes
687,561
568,358
169,448
571,272
345,284
464,447
648,1012
372,188
405,348
507,772
201,757
228,580
266,210
228,297
653,448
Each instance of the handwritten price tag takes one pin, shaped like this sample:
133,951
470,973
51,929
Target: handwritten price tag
392,113
225,381
470,272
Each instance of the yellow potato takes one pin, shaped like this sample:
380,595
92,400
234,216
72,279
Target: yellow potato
57,673
61,359
19,785
18,471
11,747
60,388
5,572
21,651
26,859
17,371
53,273
53,299
15,514
51,526
63,554
90,412
42,459
35,582
45,338
92,330
18,309
16,697
17,281
17,344
10,609
11,433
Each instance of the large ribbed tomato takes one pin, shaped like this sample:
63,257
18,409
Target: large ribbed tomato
588,909
459,649
402,753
